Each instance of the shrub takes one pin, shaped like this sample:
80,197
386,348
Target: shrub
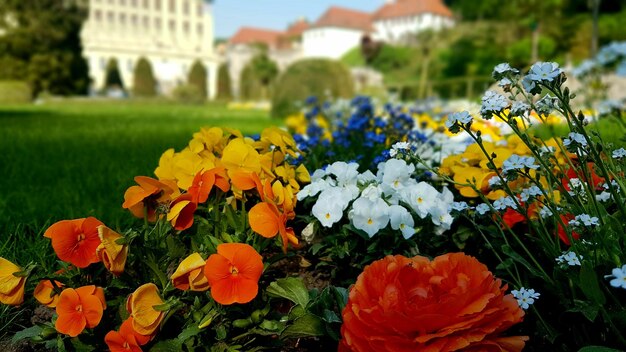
198,78
312,77
258,77
144,84
188,94
224,86
112,77
15,92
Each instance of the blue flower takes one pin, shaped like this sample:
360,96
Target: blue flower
544,71
492,103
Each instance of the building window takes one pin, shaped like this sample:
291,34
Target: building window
157,4
133,3
200,9
186,7
146,22
172,5
157,23
123,2
133,20
97,15
199,30
186,27
123,19
172,26
110,18
146,4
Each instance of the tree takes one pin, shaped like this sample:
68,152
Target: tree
113,78
42,34
258,76
224,87
144,84
198,78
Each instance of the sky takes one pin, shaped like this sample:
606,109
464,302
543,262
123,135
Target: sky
229,15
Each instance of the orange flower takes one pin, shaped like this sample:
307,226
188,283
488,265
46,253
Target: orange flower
140,305
11,286
234,273
181,212
127,339
76,241
452,303
266,220
204,181
112,254
46,294
79,308
149,194
189,274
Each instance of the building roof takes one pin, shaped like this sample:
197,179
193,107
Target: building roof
249,35
296,28
405,8
345,18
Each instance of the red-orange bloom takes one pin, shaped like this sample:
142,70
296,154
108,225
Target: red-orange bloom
148,194
204,181
76,241
234,273
452,303
266,220
79,308
580,174
181,212
565,218
127,339
46,294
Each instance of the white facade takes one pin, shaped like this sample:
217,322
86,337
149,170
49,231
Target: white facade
171,34
329,42
396,29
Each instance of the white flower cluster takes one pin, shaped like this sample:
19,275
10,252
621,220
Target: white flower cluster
571,258
391,197
525,297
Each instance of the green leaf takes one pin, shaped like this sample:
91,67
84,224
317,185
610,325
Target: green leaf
26,333
331,317
590,311
306,326
588,283
189,333
290,288
175,248
167,346
518,258
79,346
597,349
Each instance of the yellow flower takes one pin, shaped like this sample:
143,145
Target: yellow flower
208,139
240,156
188,164
45,293
112,254
279,138
11,286
166,168
140,305
190,274
297,123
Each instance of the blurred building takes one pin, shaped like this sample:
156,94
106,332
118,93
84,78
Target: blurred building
399,21
336,32
282,47
171,34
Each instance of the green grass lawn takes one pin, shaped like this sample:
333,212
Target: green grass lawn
72,159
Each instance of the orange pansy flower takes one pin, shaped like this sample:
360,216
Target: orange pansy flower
11,286
452,303
45,293
181,212
112,254
127,339
140,305
149,194
204,181
190,274
79,308
234,273
76,241
267,221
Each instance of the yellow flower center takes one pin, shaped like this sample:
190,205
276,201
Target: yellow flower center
420,200
233,270
327,215
79,308
401,226
80,237
370,221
